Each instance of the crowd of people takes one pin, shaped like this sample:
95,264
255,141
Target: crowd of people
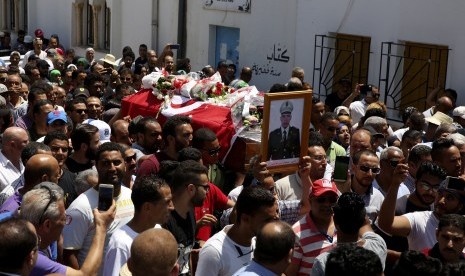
397,209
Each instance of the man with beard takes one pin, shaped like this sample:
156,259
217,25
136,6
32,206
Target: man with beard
365,167
189,187
78,232
85,140
59,145
177,134
231,248
428,181
131,166
148,136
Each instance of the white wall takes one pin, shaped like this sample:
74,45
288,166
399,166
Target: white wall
53,17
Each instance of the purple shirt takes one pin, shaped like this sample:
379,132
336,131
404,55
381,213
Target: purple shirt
46,266
12,203
24,122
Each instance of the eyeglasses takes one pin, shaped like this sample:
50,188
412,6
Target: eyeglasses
428,187
324,199
127,79
206,187
367,169
213,152
129,158
52,199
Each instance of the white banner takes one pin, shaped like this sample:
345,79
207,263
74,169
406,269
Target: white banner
228,5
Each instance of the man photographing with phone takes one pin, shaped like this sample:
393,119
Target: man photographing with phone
78,232
369,94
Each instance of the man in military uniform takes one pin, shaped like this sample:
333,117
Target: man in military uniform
284,142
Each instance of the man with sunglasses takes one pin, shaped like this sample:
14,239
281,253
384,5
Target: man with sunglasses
365,167
315,232
328,127
370,94
284,142
418,227
44,208
389,158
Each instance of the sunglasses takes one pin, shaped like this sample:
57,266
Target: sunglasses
129,158
213,152
326,199
367,169
80,111
394,163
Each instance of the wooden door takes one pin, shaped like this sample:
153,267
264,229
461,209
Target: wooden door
423,66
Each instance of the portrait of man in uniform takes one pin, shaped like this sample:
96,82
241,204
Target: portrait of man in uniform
284,142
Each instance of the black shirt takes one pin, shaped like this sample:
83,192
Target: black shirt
76,167
184,232
66,182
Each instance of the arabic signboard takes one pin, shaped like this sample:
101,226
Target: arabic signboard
228,5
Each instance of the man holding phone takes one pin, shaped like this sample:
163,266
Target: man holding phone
369,94
78,232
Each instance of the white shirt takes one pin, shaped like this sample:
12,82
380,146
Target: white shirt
42,55
79,230
119,250
222,256
8,172
357,110
423,230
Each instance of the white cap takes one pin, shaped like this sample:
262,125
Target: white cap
459,111
103,129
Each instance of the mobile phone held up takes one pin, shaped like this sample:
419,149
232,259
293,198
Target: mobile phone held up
175,46
341,166
455,183
105,196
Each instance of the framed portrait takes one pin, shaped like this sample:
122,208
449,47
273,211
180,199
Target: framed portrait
285,129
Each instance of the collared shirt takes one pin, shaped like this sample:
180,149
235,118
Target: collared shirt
8,172
253,269
403,190
373,199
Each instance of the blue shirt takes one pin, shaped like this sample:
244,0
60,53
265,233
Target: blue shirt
254,269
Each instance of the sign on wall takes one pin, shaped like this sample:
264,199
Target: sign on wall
228,5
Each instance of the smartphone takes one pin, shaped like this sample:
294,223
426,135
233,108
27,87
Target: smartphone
105,196
175,46
340,168
364,89
455,183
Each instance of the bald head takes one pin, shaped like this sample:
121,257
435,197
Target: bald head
361,140
154,252
275,242
120,132
40,168
246,74
13,134
444,104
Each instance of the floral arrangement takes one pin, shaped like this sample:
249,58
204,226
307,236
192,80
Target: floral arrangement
163,86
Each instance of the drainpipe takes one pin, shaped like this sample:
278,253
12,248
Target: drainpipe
155,17
182,28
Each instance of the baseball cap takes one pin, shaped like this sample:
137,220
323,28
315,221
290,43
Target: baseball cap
103,129
439,118
51,52
373,131
39,33
81,92
322,186
459,111
56,115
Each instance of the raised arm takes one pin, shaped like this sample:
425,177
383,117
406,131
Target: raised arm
91,265
387,221
304,173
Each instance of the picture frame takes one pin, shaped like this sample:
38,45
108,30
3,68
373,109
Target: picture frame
285,129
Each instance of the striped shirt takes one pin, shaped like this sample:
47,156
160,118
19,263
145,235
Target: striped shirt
310,243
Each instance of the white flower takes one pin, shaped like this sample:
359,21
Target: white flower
159,96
